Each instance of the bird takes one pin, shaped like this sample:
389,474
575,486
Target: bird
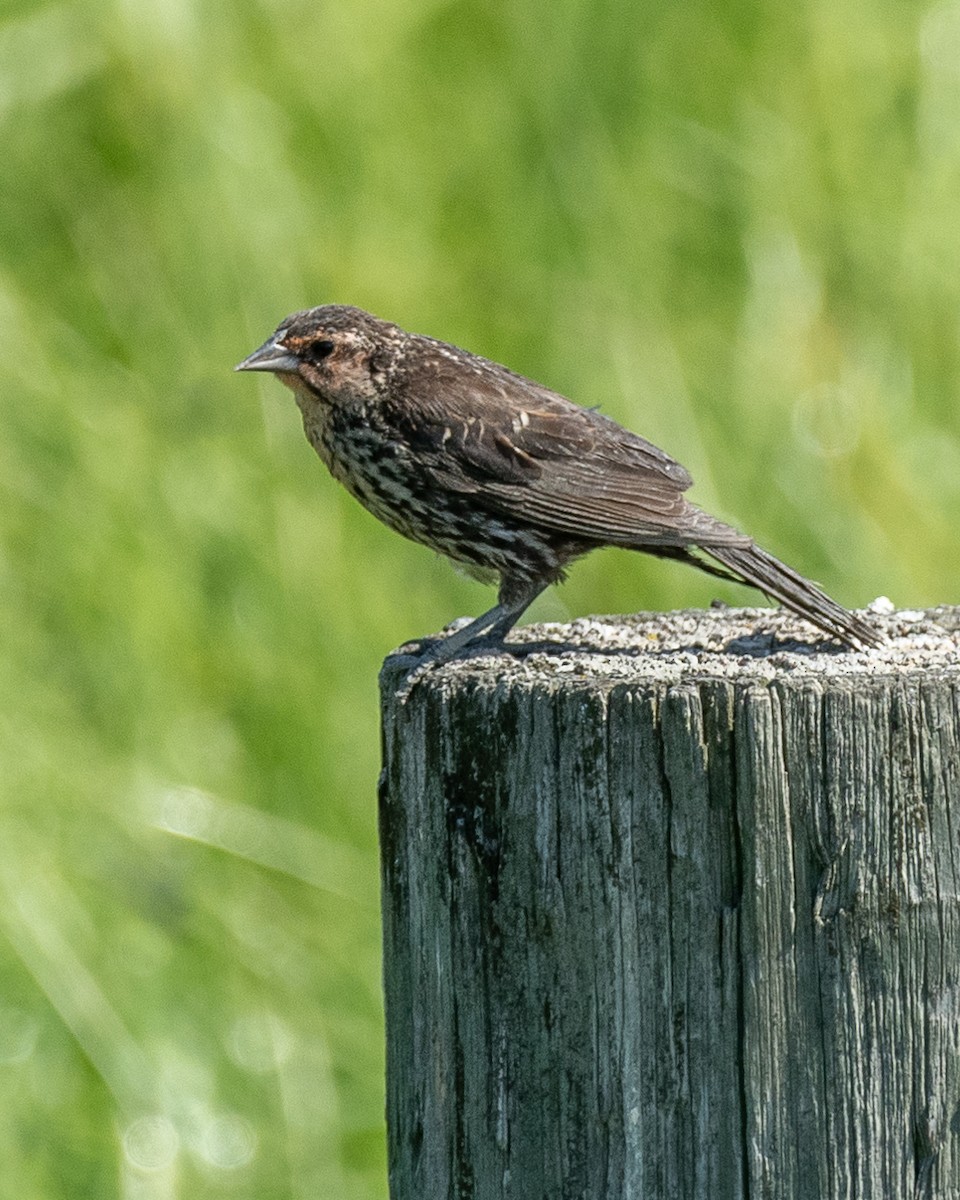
508,478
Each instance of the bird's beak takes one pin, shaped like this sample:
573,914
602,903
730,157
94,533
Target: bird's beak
272,356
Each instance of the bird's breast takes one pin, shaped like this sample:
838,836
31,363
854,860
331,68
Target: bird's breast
370,463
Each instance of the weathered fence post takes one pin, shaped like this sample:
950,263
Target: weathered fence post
674,925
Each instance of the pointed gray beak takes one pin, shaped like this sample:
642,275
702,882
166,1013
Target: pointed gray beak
270,357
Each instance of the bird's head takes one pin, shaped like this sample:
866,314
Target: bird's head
331,353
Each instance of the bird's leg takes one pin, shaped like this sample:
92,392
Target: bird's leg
493,625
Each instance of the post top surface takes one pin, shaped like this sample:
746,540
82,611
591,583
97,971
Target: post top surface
761,645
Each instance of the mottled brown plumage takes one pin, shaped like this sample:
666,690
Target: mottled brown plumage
508,478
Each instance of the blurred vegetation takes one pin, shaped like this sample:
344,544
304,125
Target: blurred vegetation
733,226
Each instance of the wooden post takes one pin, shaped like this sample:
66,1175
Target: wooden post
663,924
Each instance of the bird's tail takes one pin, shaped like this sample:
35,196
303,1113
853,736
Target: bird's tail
780,582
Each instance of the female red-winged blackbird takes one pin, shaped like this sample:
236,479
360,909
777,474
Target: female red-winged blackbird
499,473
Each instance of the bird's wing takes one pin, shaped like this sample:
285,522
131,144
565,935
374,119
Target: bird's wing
528,452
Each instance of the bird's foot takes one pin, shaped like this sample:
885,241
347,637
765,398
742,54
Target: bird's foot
426,654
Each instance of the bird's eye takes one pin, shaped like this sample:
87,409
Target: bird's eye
321,350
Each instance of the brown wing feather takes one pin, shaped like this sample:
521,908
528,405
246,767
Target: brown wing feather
534,455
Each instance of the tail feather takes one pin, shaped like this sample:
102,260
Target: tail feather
761,570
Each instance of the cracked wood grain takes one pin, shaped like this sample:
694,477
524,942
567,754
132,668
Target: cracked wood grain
672,939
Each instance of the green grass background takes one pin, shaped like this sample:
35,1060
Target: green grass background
733,226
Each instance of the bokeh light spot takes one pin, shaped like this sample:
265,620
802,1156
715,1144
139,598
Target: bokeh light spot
151,1143
260,1042
228,1142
